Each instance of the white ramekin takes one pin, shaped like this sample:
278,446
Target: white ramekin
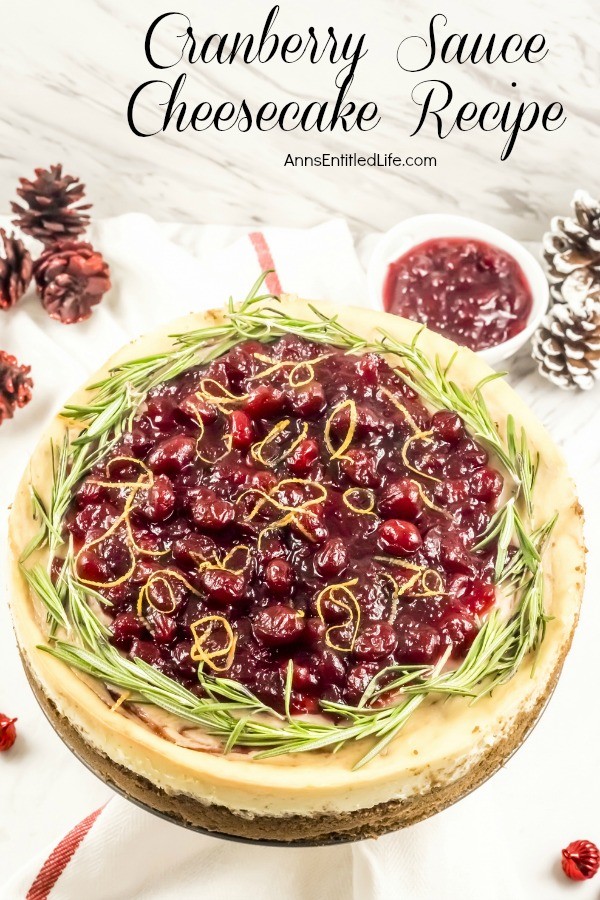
395,242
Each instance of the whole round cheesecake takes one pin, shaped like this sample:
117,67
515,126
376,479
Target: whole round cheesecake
294,572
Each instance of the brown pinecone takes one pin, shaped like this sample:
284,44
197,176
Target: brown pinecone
572,251
52,211
16,269
566,346
71,278
15,385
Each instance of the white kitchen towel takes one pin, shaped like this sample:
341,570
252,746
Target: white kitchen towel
160,272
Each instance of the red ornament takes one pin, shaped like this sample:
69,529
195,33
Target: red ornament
580,860
8,732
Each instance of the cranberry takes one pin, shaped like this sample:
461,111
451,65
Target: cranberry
146,651
303,677
359,678
279,576
91,567
263,402
400,499
158,502
466,458
160,412
486,484
474,593
361,467
375,641
199,409
304,704
163,627
453,555
193,549
332,558
303,457
90,492
278,625
367,368
330,668
418,644
399,537
172,455
182,660
308,526
223,586
242,430
210,512
458,630
95,517
450,492
448,426
308,400
125,627
314,632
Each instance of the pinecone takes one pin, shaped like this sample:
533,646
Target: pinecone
50,213
572,251
71,278
16,269
15,385
566,346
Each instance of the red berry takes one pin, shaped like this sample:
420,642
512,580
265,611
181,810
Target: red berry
8,732
146,651
331,559
193,549
279,576
158,502
242,430
172,455
210,512
198,409
375,642
367,368
304,678
263,402
401,499
302,457
125,627
308,400
330,668
486,484
163,627
447,425
459,631
278,625
580,860
223,586
399,537
418,644
361,467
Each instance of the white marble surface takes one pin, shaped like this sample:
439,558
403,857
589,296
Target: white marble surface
66,72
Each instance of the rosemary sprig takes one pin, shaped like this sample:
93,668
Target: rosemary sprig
227,709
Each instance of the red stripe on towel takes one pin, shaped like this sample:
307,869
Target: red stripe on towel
265,260
59,859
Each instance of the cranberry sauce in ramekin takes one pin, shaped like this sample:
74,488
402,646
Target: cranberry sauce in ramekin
468,290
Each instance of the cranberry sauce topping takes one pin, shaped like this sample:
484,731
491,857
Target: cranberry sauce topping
470,291
289,502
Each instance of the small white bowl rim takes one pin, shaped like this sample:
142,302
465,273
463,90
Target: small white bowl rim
417,229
